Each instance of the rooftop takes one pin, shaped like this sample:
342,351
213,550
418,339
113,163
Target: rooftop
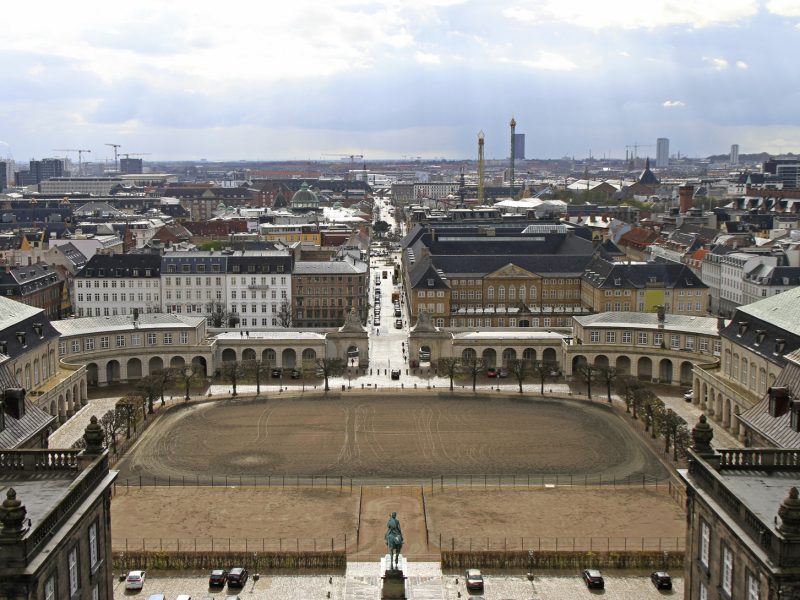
271,335
780,310
117,322
643,320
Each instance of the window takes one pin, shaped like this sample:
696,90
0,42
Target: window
641,338
104,342
89,344
120,341
167,338
626,337
705,543
136,339
76,345
594,337
727,570
717,347
611,337
72,560
675,341
703,344
753,587
93,544
151,339
50,589
184,337
703,592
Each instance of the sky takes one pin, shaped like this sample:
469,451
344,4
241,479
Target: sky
278,80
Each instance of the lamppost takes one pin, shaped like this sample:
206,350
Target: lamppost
187,378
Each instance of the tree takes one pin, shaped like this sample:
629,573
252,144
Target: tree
447,366
127,409
285,314
630,388
653,409
520,369
543,370
472,366
110,424
151,388
163,378
219,316
330,367
258,369
232,372
586,372
669,425
682,439
608,375
380,228
186,376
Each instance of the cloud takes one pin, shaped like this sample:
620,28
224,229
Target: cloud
426,58
635,14
545,61
740,64
717,63
784,8
673,104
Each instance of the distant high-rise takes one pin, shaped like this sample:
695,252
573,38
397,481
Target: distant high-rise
734,155
519,146
662,153
3,176
130,166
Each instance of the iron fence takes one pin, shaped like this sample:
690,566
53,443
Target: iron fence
223,544
559,544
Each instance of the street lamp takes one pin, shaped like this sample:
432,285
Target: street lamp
187,378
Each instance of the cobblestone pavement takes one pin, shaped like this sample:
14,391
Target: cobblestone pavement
362,582
69,432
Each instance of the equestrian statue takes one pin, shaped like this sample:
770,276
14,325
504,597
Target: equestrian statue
394,540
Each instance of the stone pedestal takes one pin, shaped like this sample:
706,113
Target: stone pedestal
393,581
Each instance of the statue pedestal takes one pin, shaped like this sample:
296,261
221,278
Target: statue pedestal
393,581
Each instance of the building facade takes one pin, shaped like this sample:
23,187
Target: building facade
37,284
662,153
323,292
119,284
259,289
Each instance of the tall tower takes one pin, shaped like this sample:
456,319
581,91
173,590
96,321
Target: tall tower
513,124
662,153
734,155
480,167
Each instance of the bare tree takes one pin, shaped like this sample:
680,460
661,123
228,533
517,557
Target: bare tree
543,370
258,369
151,388
653,408
187,376
127,409
232,372
520,369
447,366
472,366
681,441
630,388
110,424
668,426
285,314
586,372
608,375
218,315
330,367
161,379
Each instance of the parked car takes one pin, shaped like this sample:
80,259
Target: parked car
502,372
295,374
395,374
217,577
184,597
135,580
398,324
474,579
237,577
277,373
661,580
593,579
397,312
689,395
231,598
156,597
491,372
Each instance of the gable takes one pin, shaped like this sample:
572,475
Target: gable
511,271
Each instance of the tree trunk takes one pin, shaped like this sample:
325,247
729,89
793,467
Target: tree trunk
608,389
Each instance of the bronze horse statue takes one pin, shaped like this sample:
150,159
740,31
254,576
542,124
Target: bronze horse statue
394,540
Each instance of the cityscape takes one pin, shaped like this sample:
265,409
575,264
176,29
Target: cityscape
358,345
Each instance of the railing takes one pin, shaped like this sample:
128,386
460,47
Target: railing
39,460
560,544
223,544
762,459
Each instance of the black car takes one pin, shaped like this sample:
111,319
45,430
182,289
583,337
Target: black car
593,579
395,373
237,577
295,374
661,580
277,373
218,577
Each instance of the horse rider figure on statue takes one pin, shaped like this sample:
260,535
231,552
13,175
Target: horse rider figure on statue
394,539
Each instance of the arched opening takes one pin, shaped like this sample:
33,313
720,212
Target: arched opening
645,368
665,371
686,373
53,412
62,410
623,365
200,366
735,420
248,354
28,377
549,356
578,362
529,354
76,398
84,397
726,413
155,364
268,357
112,371
352,356
489,357
601,361
70,405
91,374
468,355
289,358
134,368
703,395
424,354
309,355
509,355
718,408
229,355
177,362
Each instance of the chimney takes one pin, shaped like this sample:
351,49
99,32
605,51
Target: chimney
662,314
685,194
14,402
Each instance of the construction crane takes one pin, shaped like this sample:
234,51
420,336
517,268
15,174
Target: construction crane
80,156
352,157
513,125
480,167
636,147
116,162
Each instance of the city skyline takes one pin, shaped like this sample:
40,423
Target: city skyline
389,79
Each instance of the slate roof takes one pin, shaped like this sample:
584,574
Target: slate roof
643,320
774,276
334,267
73,255
27,279
647,177
18,317
18,432
424,274
777,430
604,274
122,265
780,311
145,321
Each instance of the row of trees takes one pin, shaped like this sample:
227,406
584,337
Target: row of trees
520,369
235,372
219,316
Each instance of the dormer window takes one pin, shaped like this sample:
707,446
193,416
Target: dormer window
742,328
794,417
779,398
780,344
21,338
3,347
617,281
37,327
760,335
430,283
